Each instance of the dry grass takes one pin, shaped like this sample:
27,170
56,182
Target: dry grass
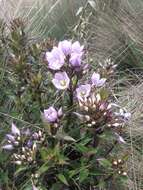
45,17
132,99
116,31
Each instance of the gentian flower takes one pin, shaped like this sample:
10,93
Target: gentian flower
76,55
83,91
61,80
75,60
55,59
51,114
10,137
77,48
66,47
8,147
15,131
97,81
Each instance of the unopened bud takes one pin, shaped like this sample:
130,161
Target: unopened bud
93,123
85,108
40,133
23,157
119,160
29,159
36,175
124,173
87,117
55,125
34,146
18,162
115,163
16,143
23,149
116,124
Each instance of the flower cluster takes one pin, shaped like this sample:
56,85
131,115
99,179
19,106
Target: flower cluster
23,144
64,60
107,67
83,91
118,166
98,112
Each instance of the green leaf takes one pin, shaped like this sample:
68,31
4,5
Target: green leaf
44,153
83,175
68,138
62,178
105,163
20,169
81,148
43,169
64,136
73,172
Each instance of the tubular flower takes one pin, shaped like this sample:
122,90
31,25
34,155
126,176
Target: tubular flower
15,131
66,47
24,144
76,55
83,91
77,48
51,115
61,80
97,81
55,59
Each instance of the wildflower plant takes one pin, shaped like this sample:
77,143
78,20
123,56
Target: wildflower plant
80,127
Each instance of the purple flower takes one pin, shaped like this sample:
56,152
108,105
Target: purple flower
29,143
77,48
51,114
97,81
61,80
55,59
125,115
8,147
35,136
15,131
10,137
83,91
34,188
66,47
76,54
75,60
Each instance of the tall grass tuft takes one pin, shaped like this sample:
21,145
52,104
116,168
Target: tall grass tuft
45,17
116,31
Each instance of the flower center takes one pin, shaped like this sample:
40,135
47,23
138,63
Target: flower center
83,93
63,83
